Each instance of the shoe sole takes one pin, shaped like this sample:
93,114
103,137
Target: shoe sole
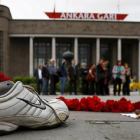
7,128
54,123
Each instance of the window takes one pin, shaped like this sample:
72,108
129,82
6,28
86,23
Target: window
1,51
42,53
105,52
127,53
84,54
60,49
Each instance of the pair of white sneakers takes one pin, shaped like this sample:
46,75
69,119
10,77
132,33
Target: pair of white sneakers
21,106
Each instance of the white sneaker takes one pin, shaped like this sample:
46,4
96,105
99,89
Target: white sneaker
21,107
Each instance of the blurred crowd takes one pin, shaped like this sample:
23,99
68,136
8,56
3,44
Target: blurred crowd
95,80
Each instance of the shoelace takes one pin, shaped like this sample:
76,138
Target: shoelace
33,91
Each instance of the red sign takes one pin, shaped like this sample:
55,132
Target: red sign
86,16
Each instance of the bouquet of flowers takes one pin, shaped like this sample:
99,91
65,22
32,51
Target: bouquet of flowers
95,104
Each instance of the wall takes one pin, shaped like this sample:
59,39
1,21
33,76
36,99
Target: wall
5,17
74,27
19,57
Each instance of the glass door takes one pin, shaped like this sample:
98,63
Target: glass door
127,51
60,49
84,54
42,53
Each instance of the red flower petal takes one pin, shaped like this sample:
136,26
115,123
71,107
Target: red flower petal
4,78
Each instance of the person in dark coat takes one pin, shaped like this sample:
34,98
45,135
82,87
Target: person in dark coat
100,77
53,77
107,78
73,76
91,79
38,75
45,79
84,73
63,76
126,90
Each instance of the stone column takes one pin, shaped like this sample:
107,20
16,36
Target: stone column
76,50
31,50
97,50
54,48
119,49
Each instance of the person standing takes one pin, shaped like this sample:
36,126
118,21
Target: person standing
118,75
53,76
100,77
63,76
107,77
45,79
91,79
84,73
126,84
73,77
38,75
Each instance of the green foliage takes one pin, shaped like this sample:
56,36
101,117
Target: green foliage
58,86
79,86
32,82
34,86
18,78
26,81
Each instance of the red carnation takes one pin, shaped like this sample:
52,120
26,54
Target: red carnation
123,99
90,103
136,105
96,99
73,104
84,104
125,106
111,106
4,78
95,104
62,98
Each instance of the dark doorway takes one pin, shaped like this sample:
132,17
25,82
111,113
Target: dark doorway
84,53
42,52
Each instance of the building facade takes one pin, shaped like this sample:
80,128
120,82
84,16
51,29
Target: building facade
26,43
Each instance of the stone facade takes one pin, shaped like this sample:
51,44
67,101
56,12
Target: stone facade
17,33
74,27
5,17
19,57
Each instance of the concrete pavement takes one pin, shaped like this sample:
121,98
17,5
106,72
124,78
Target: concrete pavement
87,125
134,96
